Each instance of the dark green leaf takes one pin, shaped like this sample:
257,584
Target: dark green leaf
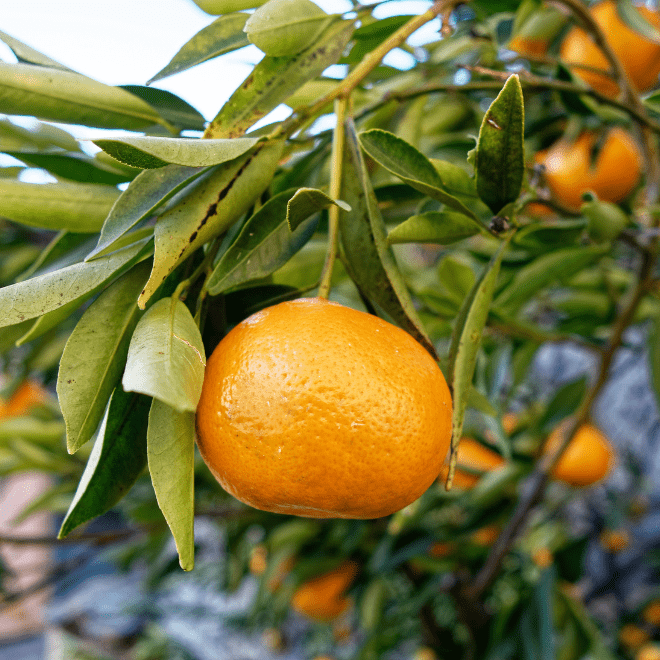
224,35
411,166
170,107
264,244
171,460
563,404
654,358
500,157
95,353
371,262
117,459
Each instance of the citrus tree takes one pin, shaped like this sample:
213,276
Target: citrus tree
498,195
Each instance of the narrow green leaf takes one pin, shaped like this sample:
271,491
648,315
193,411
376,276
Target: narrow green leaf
166,357
78,207
370,261
117,459
654,358
70,98
153,152
94,356
563,404
171,458
224,35
74,167
264,244
25,53
636,21
466,339
40,138
549,234
170,107
44,293
274,79
411,166
545,270
500,156
51,320
308,201
478,401
145,194
210,209
442,227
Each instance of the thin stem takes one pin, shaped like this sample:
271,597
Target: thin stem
335,192
365,67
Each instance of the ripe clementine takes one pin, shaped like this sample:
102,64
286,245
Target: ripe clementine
323,598
651,613
632,636
587,459
614,540
315,409
639,56
648,652
485,536
28,394
542,557
569,171
472,460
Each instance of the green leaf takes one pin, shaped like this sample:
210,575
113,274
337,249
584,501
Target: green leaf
42,137
94,356
370,261
117,459
545,270
466,339
563,404
50,320
274,79
442,227
75,167
224,35
166,357
153,152
78,207
44,293
308,201
411,166
264,244
478,401
25,53
549,234
171,454
500,157
170,107
654,358
211,208
145,194
67,97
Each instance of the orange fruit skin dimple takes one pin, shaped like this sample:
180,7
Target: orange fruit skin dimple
640,56
322,598
315,409
614,175
587,459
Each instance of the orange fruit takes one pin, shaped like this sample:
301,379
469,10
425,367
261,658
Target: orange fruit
651,613
632,636
528,46
648,652
569,171
476,459
323,598
440,549
28,394
614,540
486,535
315,409
509,422
587,459
542,557
639,56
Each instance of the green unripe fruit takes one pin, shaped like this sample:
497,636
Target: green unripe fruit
217,7
285,27
606,220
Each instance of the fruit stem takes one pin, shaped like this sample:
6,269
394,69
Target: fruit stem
337,160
